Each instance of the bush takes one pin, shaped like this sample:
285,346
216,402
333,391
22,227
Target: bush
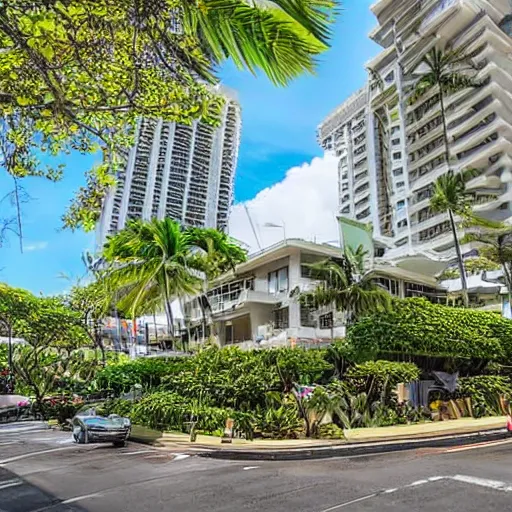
330,431
484,391
379,378
283,422
418,327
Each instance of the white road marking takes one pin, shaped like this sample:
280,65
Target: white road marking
487,444
181,456
472,480
137,452
80,498
10,483
9,442
483,482
247,468
346,504
33,454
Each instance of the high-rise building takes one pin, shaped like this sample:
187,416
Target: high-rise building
185,172
391,149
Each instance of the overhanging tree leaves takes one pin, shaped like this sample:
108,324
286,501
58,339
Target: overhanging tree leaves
80,73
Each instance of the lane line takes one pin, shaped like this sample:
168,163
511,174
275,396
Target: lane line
9,442
80,498
346,504
10,483
483,482
181,456
476,446
35,454
135,453
248,468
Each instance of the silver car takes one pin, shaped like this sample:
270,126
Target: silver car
98,429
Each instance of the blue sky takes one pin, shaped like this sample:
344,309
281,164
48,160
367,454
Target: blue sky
278,133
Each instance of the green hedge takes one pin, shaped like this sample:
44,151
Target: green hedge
418,327
484,391
378,379
227,377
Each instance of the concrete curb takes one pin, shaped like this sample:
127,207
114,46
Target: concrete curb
351,450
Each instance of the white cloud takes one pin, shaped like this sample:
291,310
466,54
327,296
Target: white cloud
35,246
305,202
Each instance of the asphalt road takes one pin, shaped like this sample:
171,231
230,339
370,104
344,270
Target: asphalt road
44,471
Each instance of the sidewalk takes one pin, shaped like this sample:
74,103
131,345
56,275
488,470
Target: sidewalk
358,441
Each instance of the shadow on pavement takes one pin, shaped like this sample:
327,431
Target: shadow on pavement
18,495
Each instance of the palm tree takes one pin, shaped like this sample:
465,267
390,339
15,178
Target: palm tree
347,286
498,248
446,71
451,196
280,37
149,265
153,263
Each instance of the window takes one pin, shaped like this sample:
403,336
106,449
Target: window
400,184
402,224
278,281
281,318
397,155
395,142
395,129
400,205
388,284
326,321
306,316
398,172
249,284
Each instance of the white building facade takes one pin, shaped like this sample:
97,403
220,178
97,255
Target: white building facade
185,172
404,151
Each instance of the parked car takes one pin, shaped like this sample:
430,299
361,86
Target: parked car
89,428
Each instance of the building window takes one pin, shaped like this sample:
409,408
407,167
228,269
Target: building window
402,224
395,142
395,129
249,284
326,321
400,205
306,316
400,184
281,318
278,281
398,172
389,284
397,155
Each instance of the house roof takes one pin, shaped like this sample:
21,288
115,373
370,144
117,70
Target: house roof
280,250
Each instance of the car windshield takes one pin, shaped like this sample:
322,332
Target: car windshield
103,422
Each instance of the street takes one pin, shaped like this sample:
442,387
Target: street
44,471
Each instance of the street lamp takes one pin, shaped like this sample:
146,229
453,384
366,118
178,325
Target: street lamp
273,225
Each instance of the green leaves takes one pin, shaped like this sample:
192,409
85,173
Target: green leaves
416,327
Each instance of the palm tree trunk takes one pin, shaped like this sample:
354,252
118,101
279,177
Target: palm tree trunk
445,128
460,261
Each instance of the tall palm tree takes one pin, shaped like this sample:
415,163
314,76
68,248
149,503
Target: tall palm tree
347,286
149,265
449,71
279,37
153,263
498,248
451,196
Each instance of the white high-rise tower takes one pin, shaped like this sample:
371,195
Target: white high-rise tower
391,149
185,172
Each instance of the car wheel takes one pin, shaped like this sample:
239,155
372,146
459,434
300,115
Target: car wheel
80,437
119,444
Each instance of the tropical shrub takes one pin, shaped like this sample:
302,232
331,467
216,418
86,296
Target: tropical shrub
485,392
418,327
472,266
378,379
146,372
282,422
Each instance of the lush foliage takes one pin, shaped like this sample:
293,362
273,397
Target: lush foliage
484,391
346,286
472,265
153,263
378,378
418,327
76,75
